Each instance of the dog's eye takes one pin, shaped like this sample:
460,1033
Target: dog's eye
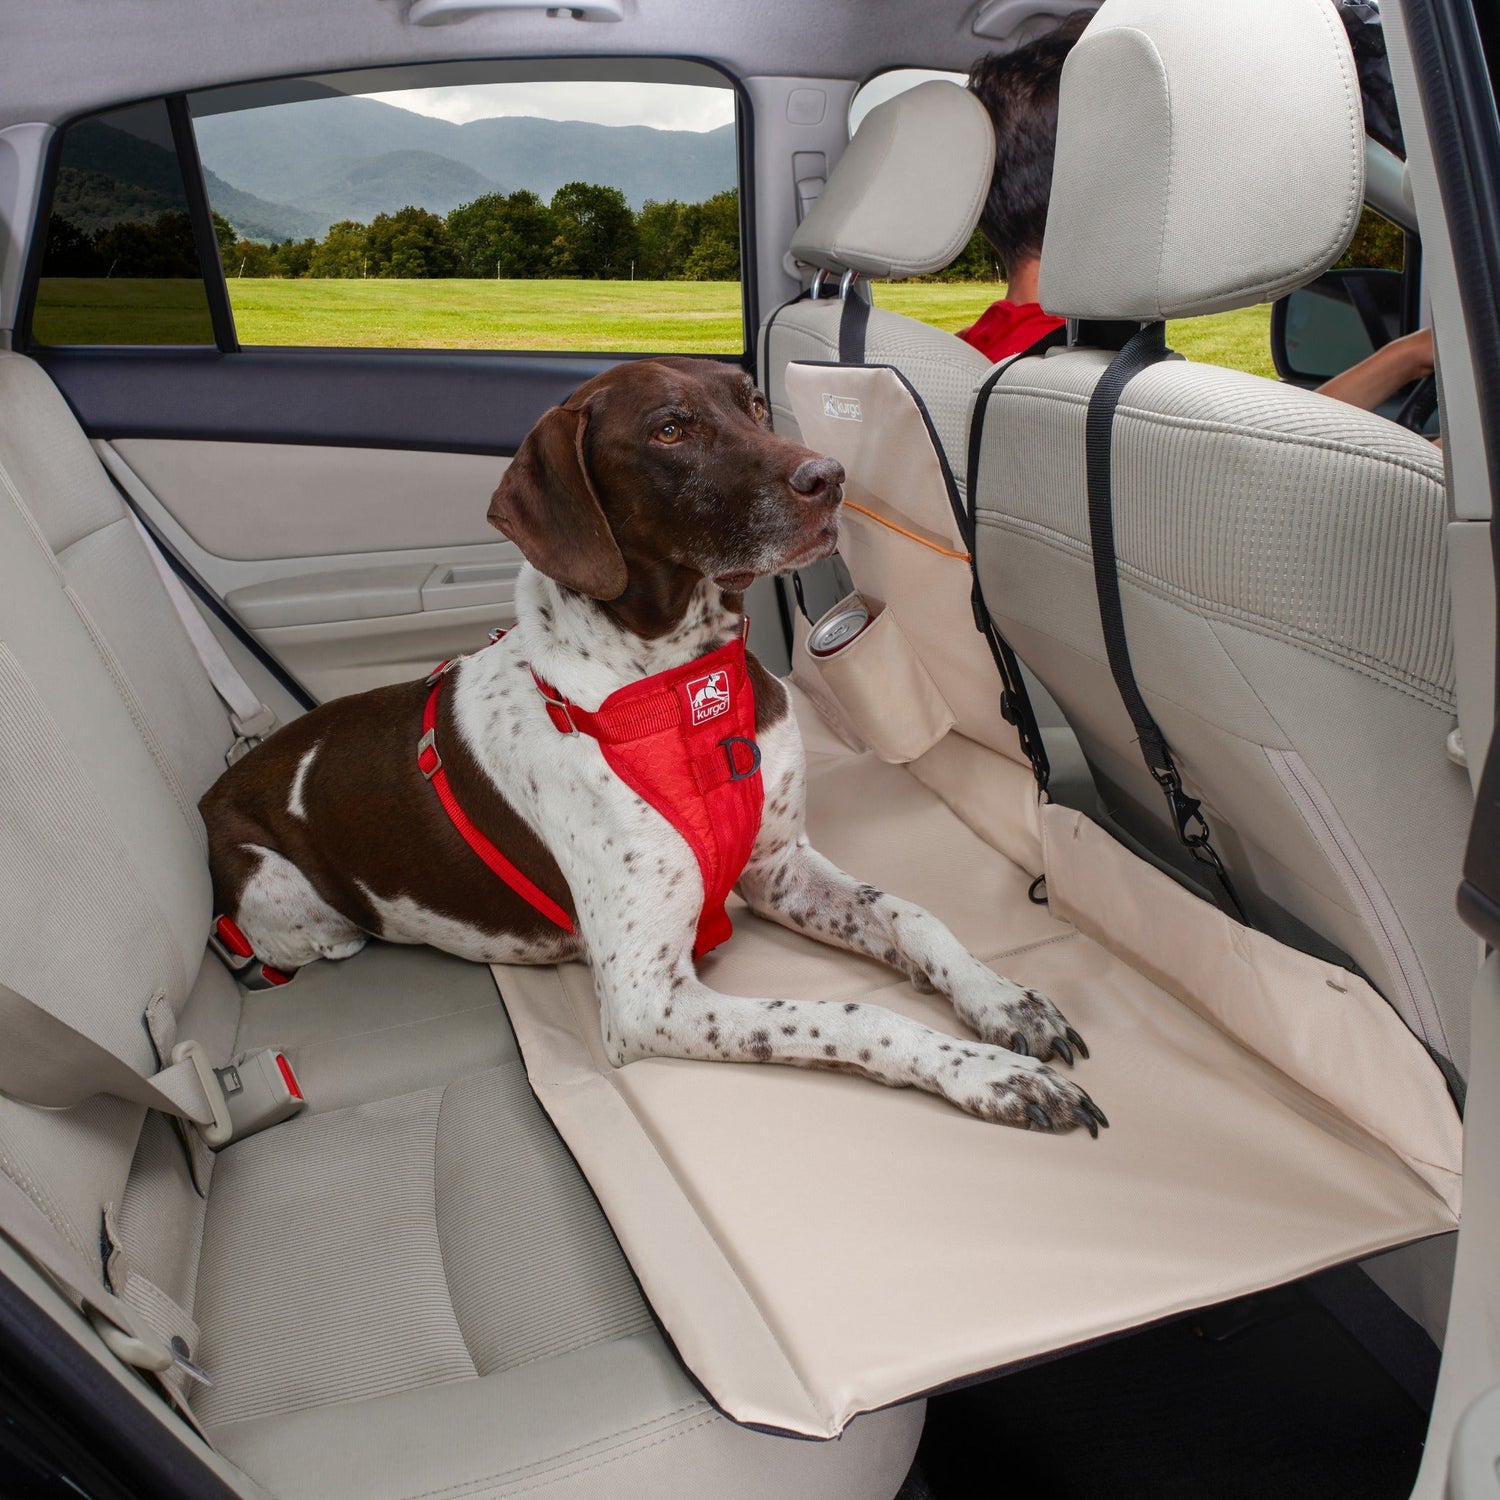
758,407
668,432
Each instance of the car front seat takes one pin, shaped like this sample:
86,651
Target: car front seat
902,201
1280,555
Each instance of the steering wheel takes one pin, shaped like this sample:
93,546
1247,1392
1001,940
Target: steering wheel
1418,406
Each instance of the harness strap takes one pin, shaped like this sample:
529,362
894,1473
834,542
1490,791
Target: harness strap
430,764
1145,348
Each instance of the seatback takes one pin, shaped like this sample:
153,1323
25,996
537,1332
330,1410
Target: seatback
1281,555
902,201
104,887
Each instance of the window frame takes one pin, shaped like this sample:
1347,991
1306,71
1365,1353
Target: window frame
215,279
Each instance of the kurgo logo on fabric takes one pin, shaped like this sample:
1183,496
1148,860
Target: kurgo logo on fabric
845,408
709,696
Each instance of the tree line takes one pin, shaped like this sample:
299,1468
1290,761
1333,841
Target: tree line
586,230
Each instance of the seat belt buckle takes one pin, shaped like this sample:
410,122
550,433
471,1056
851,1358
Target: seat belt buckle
226,939
260,1089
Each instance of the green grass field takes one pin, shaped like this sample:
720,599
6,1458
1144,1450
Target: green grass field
641,317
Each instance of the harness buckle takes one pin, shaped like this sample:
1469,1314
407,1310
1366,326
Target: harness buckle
429,762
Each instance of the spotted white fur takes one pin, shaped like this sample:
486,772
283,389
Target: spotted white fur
638,891
292,924
405,920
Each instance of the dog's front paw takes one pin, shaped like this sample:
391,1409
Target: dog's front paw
996,1085
1005,1014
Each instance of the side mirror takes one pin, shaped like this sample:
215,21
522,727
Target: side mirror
1322,329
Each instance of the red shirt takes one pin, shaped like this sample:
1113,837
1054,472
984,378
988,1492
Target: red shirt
1006,328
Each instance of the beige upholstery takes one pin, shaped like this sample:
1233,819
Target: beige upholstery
907,191
817,1246
1282,560
901,201
1200,164
409,1289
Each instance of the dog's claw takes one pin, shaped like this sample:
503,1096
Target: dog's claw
1084,1116
1096,1112
1077,1042
1018,1044
1038,1116
1062,1050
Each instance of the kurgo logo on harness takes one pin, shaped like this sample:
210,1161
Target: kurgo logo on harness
709,696
684,741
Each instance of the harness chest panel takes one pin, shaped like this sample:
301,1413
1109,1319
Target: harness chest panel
684,741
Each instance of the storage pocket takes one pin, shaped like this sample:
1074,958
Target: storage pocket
873,687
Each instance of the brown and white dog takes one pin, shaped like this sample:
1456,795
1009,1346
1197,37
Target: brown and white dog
644,506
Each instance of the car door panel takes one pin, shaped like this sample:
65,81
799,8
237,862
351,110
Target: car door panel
353,567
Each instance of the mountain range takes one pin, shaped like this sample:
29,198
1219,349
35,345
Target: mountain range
290,170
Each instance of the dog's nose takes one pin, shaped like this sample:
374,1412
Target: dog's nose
814,476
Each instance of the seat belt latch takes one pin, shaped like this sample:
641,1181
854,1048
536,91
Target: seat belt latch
260,1090
249,732
226,939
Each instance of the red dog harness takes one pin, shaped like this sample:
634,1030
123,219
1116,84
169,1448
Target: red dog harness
684,741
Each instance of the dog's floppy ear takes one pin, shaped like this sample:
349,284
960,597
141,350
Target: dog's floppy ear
546,505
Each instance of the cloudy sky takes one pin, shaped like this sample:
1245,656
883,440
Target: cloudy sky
668,106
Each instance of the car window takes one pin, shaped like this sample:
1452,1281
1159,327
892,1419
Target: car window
481,206
120,263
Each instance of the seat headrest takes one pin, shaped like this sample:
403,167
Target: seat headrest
906,194
1208,157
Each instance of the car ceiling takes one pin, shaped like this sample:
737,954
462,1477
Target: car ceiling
60,57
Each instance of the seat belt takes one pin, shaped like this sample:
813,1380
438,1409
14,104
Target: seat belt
251,719
1145,348
125,1334
49,1063
1015,701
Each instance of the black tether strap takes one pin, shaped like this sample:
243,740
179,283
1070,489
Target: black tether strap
1148,347
854,319
1015,701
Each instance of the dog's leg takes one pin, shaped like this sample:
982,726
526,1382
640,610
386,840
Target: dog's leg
655,1008
790,883
802,890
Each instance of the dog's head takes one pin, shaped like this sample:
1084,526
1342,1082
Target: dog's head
657,474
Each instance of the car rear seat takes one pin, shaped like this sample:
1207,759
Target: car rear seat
406,1291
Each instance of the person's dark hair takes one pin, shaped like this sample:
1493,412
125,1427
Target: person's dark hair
1019,89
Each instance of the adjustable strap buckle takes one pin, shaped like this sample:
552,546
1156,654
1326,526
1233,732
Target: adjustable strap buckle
559,710
429,762
442,669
